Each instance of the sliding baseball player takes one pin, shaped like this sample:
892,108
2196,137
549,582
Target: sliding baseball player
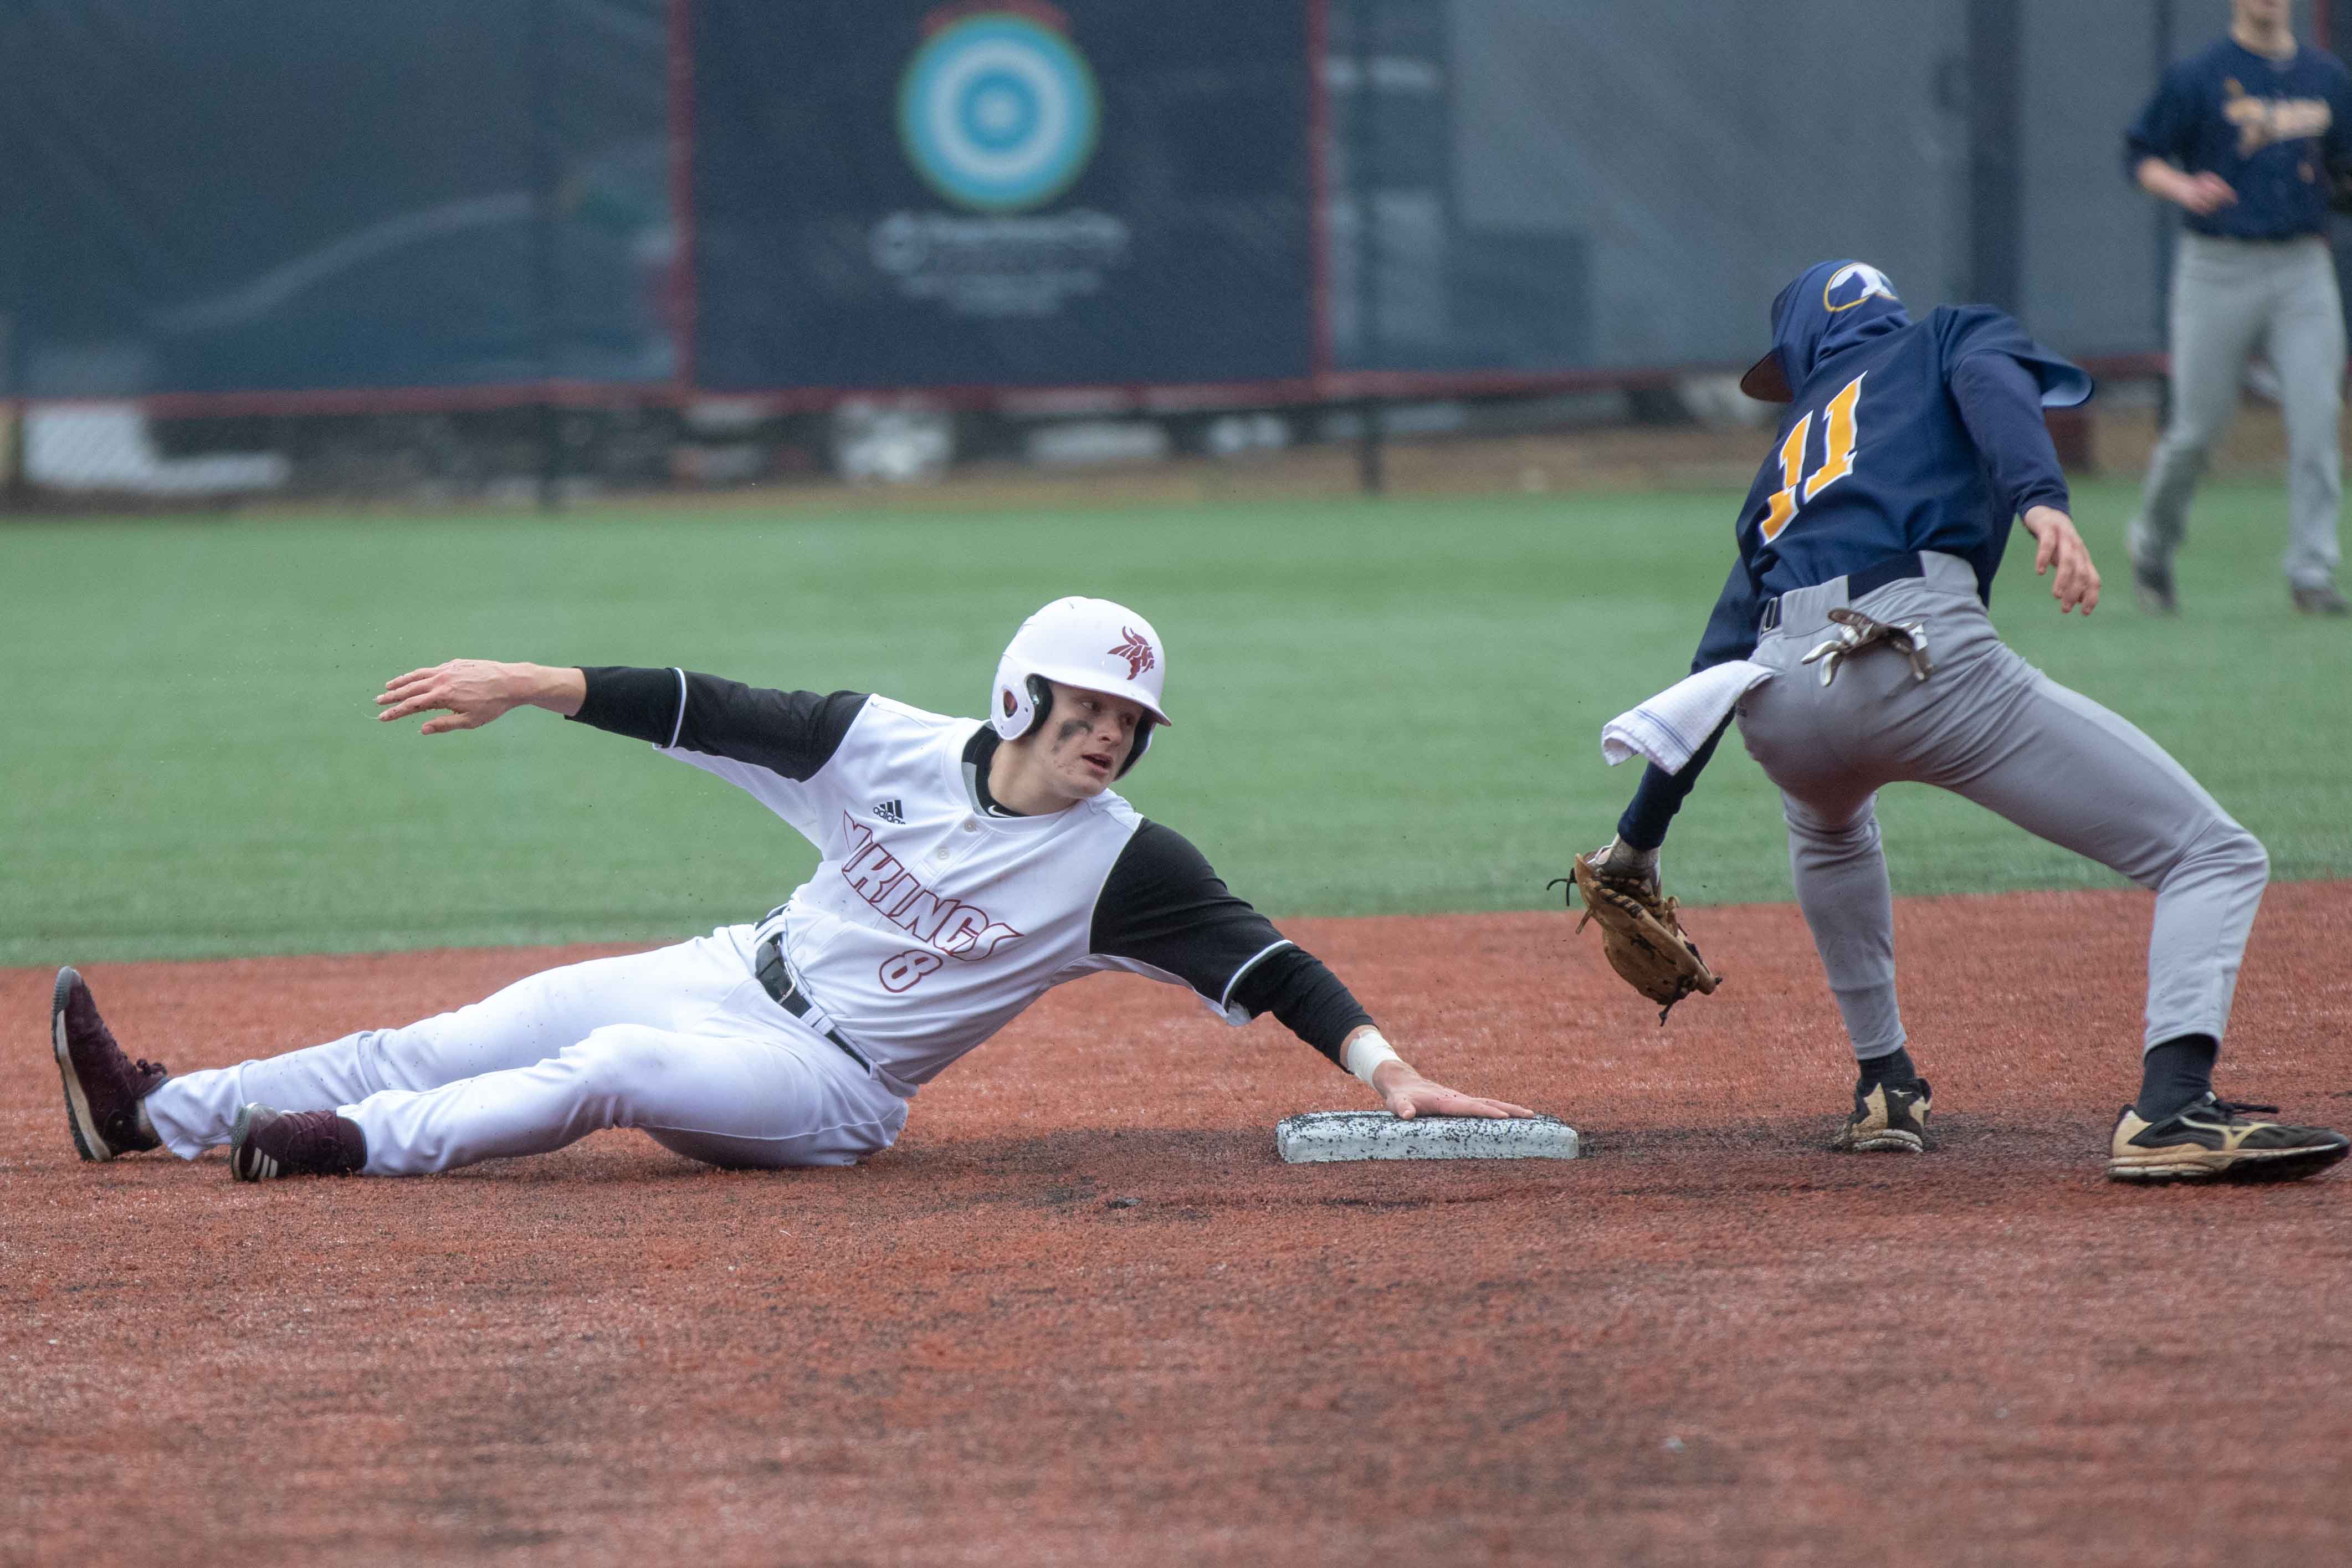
968,867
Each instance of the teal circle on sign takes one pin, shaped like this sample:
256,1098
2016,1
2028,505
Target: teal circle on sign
999,112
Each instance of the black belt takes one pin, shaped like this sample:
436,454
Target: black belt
1875,575
776,978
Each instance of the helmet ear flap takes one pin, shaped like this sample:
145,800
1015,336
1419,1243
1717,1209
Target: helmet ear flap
1041,700
1135,751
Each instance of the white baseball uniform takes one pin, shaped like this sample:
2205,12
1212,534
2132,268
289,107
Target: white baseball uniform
933,919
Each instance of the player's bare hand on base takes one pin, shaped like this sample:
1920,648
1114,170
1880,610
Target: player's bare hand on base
2060,545
1407,1094
471,692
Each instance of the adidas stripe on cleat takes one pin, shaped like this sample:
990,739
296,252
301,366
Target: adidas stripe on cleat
266,1144
2214,1140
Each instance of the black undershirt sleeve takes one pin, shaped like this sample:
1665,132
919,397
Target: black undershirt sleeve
1660,795
1295,987
792,734
1163,906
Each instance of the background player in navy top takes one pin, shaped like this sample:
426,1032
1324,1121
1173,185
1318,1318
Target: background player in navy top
1872,533
2244,138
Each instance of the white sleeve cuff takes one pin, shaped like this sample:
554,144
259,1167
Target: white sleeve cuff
1365,1053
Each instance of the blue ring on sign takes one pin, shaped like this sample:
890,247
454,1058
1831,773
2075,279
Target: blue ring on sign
999,113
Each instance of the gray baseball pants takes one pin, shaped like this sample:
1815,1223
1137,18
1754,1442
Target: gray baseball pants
2230,297
1989,727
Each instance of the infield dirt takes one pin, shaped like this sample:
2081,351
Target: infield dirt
1710,1342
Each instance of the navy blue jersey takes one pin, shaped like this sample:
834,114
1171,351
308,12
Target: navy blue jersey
1884,449
1900,436
2273,129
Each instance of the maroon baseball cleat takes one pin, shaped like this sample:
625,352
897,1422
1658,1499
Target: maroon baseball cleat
266,1144
103,1087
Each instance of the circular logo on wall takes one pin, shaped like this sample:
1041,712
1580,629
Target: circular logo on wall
999,112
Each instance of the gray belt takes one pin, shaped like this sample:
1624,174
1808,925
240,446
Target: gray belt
776,977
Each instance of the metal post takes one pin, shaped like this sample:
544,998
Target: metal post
16,490
1996,164
1372,459
539,46
15,486
2160,224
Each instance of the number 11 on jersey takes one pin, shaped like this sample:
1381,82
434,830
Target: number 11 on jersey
1837,460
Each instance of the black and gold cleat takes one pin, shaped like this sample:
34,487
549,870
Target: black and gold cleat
2215,1140
1888,1118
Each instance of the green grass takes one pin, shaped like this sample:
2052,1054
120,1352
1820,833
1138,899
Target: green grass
1381,707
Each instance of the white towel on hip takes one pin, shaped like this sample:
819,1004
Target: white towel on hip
1676,722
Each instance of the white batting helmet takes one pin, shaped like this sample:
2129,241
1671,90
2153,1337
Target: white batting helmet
1091,643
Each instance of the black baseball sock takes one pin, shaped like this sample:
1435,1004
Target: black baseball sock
1895,1067
2174,1073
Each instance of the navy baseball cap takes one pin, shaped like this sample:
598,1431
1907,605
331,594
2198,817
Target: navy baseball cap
1829,307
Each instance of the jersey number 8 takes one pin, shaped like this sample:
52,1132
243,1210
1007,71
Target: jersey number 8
900,970
1837,460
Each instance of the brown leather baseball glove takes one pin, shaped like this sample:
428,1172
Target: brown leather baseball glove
1641,934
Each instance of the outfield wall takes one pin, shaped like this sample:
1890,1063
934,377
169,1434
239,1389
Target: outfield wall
274,206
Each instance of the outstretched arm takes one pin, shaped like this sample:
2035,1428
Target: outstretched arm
790,734
2001,404
1164,911
470,692
1314,1004
1405,1092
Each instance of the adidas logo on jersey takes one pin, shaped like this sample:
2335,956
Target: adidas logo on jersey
891,810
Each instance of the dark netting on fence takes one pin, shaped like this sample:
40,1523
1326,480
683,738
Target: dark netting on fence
437,243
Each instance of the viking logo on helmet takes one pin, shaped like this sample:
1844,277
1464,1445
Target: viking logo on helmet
1852,284
1137,650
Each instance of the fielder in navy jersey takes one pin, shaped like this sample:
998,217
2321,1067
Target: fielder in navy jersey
2248,137
1868,549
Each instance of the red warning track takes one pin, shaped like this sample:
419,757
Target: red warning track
1709,1342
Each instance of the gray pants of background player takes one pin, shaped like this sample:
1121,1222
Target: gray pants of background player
2230,297
1990,727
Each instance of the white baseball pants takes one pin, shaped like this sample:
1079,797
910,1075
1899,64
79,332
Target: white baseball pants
681,1043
